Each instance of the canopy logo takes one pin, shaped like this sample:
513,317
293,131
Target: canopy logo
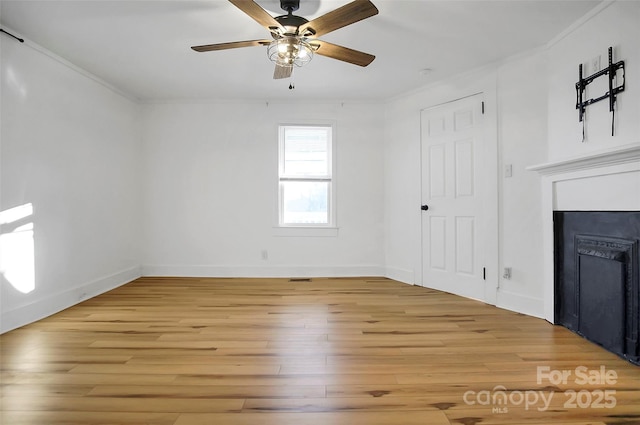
500,399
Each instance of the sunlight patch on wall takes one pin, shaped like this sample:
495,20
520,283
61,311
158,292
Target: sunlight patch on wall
14,81
17,262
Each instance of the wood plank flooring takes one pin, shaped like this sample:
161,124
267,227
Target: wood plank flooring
182,351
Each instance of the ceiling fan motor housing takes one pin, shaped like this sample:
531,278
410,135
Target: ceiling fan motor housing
291,23
290,5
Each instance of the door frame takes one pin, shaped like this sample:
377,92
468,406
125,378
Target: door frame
490,184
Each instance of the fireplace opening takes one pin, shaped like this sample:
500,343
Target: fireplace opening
597,292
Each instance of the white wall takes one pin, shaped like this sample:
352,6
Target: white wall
522,105
210,183
402,190
616,25
70,149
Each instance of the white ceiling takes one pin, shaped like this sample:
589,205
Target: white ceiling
142,47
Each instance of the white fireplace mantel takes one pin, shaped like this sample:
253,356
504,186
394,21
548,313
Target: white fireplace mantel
600,181
622,155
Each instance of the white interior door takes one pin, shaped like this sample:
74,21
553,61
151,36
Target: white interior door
453,182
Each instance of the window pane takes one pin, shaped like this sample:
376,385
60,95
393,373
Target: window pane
306,151
305,202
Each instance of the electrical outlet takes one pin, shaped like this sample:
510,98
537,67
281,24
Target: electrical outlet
507,273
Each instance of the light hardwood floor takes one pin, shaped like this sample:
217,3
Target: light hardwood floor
372,351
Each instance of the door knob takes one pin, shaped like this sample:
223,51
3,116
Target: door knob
424,207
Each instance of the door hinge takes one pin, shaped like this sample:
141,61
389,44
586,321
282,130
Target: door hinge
482,107
484,273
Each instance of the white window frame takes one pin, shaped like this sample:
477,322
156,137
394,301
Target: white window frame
308,229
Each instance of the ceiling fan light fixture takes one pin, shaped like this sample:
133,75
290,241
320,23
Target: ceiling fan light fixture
288,51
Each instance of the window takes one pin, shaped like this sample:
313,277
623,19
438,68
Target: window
305,176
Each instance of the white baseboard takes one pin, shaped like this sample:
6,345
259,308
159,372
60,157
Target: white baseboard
401,275
52,304
262,271
521,304
55,303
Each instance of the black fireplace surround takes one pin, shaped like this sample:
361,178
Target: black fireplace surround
597,292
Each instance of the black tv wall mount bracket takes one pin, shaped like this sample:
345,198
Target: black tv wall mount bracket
611,71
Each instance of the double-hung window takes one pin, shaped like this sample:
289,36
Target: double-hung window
306,176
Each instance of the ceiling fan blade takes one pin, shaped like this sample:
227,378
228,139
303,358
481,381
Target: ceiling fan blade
231,45
282,71
346,15
342,53
258,14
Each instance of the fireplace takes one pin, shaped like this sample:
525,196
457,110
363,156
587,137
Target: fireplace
599,184
597,260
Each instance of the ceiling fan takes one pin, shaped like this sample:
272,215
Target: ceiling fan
294,37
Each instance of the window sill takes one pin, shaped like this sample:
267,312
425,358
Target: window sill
300,231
